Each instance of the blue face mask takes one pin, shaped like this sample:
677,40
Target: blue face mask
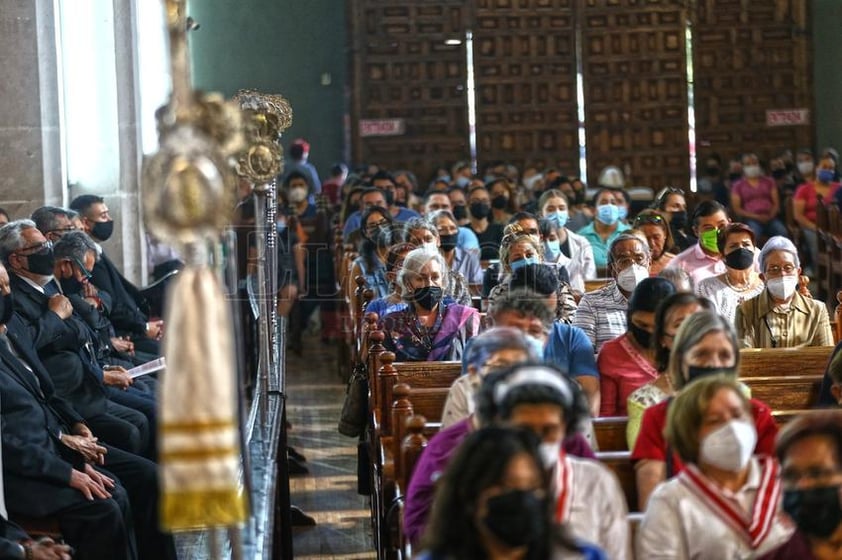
520,263
552,250
462,181
608,214
824,175
558,218
623,212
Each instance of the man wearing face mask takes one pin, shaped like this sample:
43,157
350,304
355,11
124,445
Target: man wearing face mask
63,341
382,194
703,259
127,314
606,226
809,449
756,200
602,313
781,317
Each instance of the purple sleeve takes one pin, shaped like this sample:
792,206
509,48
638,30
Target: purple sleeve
577,445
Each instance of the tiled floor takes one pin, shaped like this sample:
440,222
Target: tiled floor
329,492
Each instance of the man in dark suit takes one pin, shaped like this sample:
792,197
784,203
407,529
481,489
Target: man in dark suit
49,458
126,314
63,341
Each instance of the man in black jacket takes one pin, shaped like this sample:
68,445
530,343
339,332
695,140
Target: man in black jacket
63,341
127,313
54,466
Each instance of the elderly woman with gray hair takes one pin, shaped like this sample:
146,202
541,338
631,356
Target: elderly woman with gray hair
428,329
781,316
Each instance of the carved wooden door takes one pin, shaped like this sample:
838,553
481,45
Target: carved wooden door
409,77
525,73
750,58
634,68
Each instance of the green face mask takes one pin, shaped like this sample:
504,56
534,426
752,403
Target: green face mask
708,240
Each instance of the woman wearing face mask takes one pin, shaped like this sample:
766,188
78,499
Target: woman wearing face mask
705,344
492,504
669,315
606,226
392,301
806,201
725,504
428,329
671,201
518,250
457,259
756,201
421,232
376,237
740,281
628,361
809,450
562,247
502,195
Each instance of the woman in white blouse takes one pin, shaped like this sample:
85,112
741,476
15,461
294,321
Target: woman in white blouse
565,248
740,280
726,503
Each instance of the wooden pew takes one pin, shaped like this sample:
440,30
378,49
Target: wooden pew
795,392
610,433
619,462
768,362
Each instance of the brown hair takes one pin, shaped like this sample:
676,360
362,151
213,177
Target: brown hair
825,423
687,411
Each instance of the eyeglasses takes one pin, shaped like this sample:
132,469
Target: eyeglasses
791,477
785,270
31,250
375,225
625,262
62,231
655,219
85,272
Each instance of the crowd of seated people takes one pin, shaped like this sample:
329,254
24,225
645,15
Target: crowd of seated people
638,315
79,433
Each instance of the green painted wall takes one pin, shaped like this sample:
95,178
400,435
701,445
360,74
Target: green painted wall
279,46
827,61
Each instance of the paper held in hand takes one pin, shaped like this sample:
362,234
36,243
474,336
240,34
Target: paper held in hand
148,367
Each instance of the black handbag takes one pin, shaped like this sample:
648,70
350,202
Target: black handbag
354,415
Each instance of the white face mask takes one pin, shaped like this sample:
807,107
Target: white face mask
431,246
805,167
751,171
629,278
537,346
730,446
297,194
549,453
782,287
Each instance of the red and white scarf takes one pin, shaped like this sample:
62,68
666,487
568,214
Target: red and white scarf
754,528
563,488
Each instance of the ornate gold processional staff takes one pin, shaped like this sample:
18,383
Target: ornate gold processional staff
189,194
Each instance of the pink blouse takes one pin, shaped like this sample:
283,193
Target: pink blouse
622,369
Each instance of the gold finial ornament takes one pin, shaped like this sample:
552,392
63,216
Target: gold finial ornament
266,117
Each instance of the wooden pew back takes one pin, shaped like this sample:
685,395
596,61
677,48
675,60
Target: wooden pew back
795,392
768,362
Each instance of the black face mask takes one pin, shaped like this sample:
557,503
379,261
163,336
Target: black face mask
460,212
480,210
516,517
740,259
71,286
712,171
695,372
390,197
735,176
679,219
499,202
642,336
41,262
816,511
102,230
427,297
448,242
6,308
779,173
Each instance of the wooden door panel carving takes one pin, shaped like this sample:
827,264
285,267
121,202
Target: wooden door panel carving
750,57
634,68
403,68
